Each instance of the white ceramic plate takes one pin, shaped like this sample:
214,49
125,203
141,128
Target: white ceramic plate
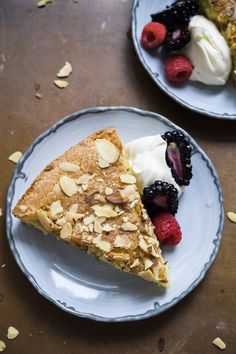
85,287
214,101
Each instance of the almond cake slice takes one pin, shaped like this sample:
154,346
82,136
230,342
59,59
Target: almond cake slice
88,198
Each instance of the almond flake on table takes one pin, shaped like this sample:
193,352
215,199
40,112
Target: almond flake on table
231,216
2,346
38,95
12,332
1,212
61,83
43,3
3,266
65,71
218,342
15,157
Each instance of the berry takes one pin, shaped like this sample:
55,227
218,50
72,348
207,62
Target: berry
160,196
178,68
177,39
167,229
177,14
153,35
178,156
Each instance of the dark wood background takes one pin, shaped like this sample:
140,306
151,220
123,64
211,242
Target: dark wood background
34,43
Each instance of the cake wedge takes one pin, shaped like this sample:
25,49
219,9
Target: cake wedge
88,198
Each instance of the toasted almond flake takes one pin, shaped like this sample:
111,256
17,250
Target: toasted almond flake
71,217
147,275
84,179
22,208
147,263
68,185
144,214
61,221
123,242
129,193
128,226
78,228
115,198
80,190
102,244
73,208
121,257
90,226
125,219
102,163
133,203
100,180
42,3
219,343
66,230
85,228
69,166
3,266
15,157
135,263
56,208
57,188
61,83
107,150
117,208
2,346
12,332
143,245
38,95
101,220
129,179
97,197
1,212
84,187
107,228
231,216
97,227
88,219
103,212
44,220
108,191
65,71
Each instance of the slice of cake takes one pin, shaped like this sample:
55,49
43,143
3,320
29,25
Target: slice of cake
88,198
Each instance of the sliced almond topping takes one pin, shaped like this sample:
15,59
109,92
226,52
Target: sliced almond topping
147,263
129,193
102,244
15,157
100,180
61,83
108,191
219,343
61,221
121,257
135,263
57,188
143,245
147,275
115,198
123,242
104,212
69,167
125,219
78,228
106,150
22,208
231,216
68,185
133,203
129,179
80,190
144,214
107,228
102,163
66,230
84,179
12,332
71,217
73,208
84,187
65,71
90,226
97,227
128,226
117,208
56,208
44,220
88,219
101,220
2,346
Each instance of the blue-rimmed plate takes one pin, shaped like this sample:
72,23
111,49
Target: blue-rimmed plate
214,101
85,287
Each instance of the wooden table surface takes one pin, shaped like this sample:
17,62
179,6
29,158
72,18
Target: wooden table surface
92,35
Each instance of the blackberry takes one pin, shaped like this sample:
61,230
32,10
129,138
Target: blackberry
177,39
160,196
177,14
178,156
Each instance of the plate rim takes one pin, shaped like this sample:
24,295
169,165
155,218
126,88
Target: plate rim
225,116
157,309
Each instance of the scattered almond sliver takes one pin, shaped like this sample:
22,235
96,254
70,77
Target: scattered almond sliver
43,3
219,343
1,212
231,216
65,71
61,83
12,332
38,95
2,346
3,266
15,157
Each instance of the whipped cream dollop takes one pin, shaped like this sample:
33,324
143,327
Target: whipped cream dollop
147,159
208,52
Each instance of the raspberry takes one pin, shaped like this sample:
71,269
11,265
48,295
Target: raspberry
153,35
178,68
167,229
